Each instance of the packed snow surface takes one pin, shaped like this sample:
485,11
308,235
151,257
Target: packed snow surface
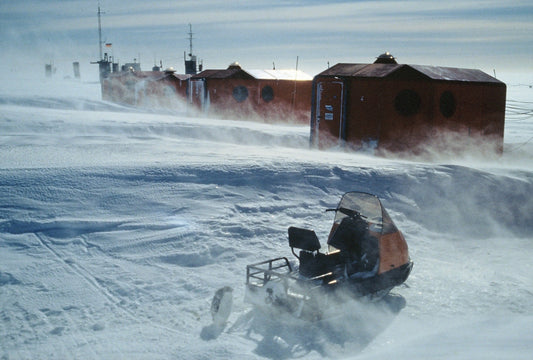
118,225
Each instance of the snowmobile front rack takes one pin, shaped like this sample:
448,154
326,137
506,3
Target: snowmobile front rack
274,282
259,273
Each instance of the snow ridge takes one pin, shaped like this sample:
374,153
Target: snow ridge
117,227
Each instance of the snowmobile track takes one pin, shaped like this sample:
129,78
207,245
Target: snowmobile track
96,284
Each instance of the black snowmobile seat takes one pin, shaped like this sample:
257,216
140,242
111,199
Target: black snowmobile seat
317,264
312,262
303,239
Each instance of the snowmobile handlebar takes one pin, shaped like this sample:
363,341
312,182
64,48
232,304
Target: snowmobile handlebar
349,212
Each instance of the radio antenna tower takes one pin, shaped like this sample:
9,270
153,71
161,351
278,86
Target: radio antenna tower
190,39
190,61
100,31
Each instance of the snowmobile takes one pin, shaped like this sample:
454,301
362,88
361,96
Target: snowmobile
367,256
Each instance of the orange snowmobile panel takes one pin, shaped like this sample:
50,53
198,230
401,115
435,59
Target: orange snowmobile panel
393,251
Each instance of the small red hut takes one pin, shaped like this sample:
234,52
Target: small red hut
164,89
403,108
146,88
269,95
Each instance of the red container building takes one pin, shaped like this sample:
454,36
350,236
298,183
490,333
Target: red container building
266,95
404,108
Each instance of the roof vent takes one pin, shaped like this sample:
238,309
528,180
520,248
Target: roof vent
235,65
385,58
170,70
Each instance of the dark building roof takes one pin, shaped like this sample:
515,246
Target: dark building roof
378,70
454,74
181,76
161,75
233,71
150,75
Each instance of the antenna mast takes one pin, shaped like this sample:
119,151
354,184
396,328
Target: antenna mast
190,61
100,31
190,39
104,64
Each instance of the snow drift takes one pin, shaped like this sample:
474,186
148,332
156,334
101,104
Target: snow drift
117,226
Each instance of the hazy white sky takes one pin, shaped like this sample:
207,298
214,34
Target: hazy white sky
472,33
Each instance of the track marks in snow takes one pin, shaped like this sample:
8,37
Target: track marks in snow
119,298
79,270
62,229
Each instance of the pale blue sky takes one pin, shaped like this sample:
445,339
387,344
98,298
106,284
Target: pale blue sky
474,34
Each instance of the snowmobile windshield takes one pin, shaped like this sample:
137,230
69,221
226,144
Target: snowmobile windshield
369,207
363,230
372,219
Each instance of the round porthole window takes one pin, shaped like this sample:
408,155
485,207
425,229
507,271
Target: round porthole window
407,102
447,104
267,93
240,93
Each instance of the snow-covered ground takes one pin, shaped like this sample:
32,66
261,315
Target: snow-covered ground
117,226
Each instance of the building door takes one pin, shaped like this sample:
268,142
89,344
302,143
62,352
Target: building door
329,112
